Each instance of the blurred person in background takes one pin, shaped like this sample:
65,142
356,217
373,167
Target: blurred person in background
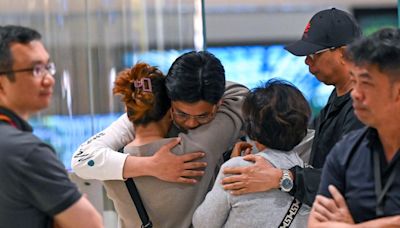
35,190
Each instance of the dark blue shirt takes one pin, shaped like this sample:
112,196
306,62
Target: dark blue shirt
350,167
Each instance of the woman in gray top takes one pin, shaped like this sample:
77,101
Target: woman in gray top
276,117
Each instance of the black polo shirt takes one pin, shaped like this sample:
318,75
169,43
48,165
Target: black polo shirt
336,119
350,167
34,186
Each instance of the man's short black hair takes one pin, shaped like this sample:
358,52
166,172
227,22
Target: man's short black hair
276,115
196,76
381,48
13,34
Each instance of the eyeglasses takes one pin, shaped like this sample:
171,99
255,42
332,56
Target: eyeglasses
38,71
312,56
202,119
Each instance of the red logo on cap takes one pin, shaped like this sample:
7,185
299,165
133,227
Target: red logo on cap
305,34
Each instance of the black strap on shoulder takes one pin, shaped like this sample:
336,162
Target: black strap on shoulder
290,214
137,200
380,194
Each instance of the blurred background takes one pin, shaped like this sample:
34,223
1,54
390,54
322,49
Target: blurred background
92,40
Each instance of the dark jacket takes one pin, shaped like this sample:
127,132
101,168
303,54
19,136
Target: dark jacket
335,120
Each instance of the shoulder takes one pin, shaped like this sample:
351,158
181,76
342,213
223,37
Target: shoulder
236,162
233,87
344,149
16,143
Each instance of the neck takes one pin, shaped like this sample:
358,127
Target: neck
390,139
146,134
343,87
23,115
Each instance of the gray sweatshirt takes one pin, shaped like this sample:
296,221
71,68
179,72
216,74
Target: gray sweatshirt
263,209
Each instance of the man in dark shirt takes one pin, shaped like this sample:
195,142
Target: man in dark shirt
323,42
364,166
35,190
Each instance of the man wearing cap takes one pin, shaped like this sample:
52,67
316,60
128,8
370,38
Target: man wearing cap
35,190
323,43
360,182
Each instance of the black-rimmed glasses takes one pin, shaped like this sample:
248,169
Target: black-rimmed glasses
38,71
202,119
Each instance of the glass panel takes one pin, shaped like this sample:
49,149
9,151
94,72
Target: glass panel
90,42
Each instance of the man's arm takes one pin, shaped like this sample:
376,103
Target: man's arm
98,158
334,212
262,176
80,214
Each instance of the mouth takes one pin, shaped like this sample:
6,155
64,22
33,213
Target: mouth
46,93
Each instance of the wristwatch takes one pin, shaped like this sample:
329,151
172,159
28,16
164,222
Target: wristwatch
286,182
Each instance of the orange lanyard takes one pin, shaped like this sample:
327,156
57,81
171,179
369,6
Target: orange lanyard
7,119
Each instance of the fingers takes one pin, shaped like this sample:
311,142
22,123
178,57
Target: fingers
171,144
320,217
192,173
234,186
257,160
239,147
194,165
250,157
231,179
325,206
337,197
185,180
247,151
234,170
192,156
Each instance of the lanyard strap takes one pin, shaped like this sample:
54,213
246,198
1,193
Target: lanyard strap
290,214
380,194
8,120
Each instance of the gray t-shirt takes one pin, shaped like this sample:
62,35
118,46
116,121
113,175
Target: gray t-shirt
262,209
34,185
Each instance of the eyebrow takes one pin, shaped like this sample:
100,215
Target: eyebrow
364,74
202,114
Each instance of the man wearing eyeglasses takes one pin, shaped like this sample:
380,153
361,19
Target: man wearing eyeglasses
35,190
323,43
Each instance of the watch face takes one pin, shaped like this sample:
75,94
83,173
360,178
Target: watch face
287,184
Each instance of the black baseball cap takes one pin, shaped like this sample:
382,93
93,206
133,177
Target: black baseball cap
327,29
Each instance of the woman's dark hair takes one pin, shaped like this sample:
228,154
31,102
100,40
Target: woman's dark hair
196,76
276,115
143,91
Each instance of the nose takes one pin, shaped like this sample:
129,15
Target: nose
48,79
356,94
191,123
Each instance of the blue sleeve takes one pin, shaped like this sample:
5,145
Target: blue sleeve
333,172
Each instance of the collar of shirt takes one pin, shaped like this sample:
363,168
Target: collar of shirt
16,120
